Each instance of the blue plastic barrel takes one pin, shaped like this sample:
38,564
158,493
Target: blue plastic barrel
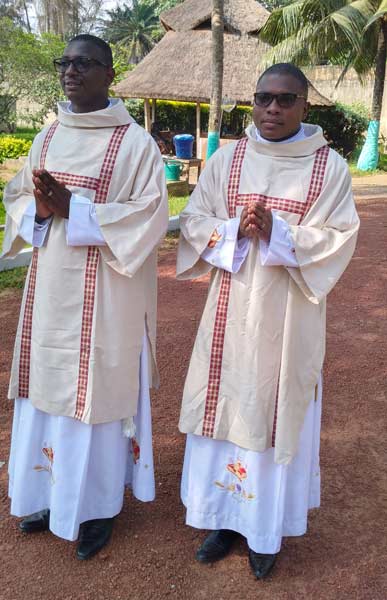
183,145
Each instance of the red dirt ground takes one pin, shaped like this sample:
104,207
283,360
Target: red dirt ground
344,554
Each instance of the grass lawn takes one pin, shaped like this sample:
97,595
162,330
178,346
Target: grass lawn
382,167
176,204
14,278
23,133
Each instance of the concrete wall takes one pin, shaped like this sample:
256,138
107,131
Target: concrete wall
350,90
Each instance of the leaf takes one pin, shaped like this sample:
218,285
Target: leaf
219,484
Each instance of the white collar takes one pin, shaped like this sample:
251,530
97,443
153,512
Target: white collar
300,135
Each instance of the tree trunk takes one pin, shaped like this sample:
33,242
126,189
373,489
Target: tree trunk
217,26
369,157
28,24
380,72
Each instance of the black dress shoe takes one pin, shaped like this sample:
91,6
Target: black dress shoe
261,564
39,521
216,546
93,536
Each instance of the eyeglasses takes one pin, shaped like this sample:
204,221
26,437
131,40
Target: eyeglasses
264,99
81,64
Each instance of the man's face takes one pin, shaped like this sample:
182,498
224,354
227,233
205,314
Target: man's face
273,121
86,87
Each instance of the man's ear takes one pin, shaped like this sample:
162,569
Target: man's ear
306,110
110,75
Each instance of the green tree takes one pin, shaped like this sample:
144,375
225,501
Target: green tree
163,5
17,11
26,70
272,4
135,26
66,18
342,32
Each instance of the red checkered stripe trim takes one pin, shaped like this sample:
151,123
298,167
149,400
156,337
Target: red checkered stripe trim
91,274
89,183
317,178
25,345
235,176
274,430
47,142
216,357
271,202
87,325
109,162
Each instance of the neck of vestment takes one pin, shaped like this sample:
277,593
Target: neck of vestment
115,114
295,137
297,146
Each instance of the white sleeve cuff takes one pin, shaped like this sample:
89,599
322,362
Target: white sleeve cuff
82,226
229,253
280,251
33,233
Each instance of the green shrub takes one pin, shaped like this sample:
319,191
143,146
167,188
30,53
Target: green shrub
181,116
12,147
25,133
343,126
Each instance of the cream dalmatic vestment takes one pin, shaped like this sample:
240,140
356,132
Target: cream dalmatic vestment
261,341
80,334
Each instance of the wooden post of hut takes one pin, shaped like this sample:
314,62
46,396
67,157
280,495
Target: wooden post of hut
198,141
154,110
147,115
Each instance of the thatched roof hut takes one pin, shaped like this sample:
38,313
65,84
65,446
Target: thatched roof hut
179,66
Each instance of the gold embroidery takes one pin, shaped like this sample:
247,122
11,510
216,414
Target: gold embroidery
214,239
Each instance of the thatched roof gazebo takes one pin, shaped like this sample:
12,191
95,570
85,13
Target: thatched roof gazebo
179,66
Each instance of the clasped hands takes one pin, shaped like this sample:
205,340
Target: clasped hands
256,222
51,196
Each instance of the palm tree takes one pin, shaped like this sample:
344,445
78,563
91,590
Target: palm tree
215,117
133,26
342,32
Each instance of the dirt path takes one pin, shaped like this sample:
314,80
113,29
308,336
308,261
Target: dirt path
344,554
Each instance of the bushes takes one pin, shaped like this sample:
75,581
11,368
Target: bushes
342,125
181,116
12,147
25,133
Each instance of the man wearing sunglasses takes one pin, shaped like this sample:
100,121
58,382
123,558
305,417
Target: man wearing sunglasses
92,201
273,216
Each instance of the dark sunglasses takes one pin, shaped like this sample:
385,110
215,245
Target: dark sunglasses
81,64
264,99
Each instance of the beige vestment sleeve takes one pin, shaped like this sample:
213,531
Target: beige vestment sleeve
200,218
324,251
133,229
18,195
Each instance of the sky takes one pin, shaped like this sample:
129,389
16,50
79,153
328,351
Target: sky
107,5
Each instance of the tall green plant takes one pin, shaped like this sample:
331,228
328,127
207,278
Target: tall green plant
342,32
132,26
26,70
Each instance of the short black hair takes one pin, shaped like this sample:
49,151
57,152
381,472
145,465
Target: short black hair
98,42
288,69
